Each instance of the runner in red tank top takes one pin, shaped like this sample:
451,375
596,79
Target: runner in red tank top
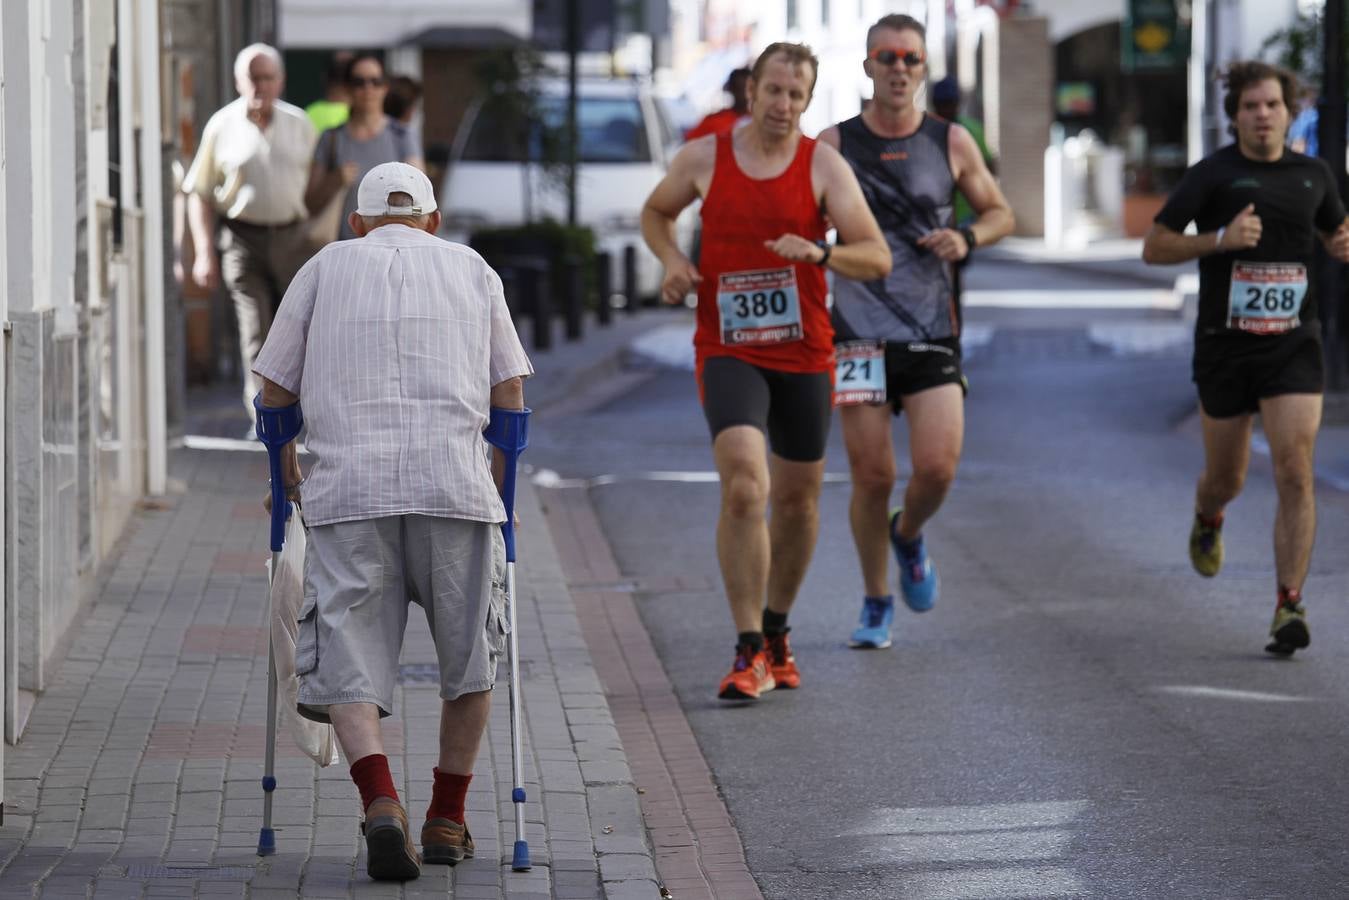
763,339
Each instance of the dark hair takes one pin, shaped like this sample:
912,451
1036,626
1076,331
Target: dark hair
797,54
1248,73
350,71
740,73
336,73
898,22
404,92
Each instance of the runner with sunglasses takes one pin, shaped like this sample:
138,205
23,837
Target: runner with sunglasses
898,337
763,344
1259,209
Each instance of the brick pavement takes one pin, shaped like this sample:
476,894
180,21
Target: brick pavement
138,774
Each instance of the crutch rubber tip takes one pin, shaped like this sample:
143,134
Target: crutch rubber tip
269,783
518,795
267,843
520,862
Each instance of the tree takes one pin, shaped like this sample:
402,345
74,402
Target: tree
1300,46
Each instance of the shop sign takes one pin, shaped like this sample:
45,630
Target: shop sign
1153,36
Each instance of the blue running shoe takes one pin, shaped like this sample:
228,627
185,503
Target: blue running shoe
873,631
918,580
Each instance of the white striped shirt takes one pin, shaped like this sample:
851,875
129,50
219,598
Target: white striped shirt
393,343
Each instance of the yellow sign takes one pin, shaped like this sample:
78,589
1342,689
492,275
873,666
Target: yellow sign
1152,37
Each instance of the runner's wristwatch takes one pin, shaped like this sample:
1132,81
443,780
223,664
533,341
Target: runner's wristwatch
970,240
827,248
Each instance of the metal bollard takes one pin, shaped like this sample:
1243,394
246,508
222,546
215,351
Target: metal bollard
630,277
540,305
604,283
574,301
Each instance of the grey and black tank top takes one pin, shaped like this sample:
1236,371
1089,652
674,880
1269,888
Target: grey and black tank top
909,187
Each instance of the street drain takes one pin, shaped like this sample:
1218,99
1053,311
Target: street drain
205,873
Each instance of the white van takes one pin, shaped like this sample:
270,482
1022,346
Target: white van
625,143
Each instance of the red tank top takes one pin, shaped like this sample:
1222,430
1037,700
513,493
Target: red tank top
753,304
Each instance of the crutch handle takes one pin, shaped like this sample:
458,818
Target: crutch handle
508,431
277,427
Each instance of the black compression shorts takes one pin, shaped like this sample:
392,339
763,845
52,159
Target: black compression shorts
1235,372
791,408
913,366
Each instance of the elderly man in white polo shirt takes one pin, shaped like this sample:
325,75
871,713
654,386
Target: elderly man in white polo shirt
398,344
250,172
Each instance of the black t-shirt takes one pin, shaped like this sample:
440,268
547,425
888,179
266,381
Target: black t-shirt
1295,197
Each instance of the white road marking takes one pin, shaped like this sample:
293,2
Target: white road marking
1199,690
1026,837
669,345
989,817
1137,299
1132,338
208,442
1001,882
547,478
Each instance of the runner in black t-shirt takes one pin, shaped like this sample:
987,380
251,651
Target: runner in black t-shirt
1259,208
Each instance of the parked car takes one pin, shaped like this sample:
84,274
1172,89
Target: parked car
495,176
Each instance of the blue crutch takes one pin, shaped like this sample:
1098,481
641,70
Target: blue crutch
508,431
276,428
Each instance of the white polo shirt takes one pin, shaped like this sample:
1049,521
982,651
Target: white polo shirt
255,175
393,343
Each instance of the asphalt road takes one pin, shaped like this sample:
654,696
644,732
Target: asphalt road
1080,716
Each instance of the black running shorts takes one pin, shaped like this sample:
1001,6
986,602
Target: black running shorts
1235,372
913,366
791,408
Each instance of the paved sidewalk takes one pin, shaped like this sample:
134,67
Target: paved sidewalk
138,775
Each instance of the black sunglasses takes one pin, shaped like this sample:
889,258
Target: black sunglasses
887,57
358,81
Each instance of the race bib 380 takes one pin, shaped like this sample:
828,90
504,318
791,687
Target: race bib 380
759,307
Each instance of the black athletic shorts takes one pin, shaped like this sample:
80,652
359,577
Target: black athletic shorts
913,366
1235,372
791,408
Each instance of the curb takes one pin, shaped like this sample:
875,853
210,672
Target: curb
576,748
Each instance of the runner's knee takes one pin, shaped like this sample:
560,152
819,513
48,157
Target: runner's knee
935,472
743,494
1292,477
874,476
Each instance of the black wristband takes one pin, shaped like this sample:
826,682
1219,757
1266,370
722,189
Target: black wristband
823,245
970,240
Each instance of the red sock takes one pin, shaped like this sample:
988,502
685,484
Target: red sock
1289,596
373,779
1214,522
447,796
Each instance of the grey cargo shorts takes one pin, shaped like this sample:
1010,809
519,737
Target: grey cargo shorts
359,578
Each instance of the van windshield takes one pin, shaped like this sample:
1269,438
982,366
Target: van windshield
611,131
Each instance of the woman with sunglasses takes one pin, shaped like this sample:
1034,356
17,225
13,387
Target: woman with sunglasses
903,332
367,139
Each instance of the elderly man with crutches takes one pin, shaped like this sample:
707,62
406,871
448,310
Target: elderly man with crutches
400,349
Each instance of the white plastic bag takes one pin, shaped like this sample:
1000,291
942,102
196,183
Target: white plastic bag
318,741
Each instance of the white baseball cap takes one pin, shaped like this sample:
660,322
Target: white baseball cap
372,197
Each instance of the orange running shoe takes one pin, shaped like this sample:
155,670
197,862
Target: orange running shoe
749,676
781,663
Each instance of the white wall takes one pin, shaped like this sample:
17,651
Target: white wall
345,23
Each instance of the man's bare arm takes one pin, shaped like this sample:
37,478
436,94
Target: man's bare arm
275,396
995,218
201,225
861,253
1164,246
509,394
672,195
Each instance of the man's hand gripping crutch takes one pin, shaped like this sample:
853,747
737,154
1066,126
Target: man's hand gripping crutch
508,431
277,429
